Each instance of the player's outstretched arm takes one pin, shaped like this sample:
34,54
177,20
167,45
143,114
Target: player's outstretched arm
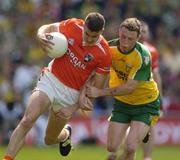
127,88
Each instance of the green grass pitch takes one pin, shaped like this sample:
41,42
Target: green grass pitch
88,152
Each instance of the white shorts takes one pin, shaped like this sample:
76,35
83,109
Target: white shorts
59,94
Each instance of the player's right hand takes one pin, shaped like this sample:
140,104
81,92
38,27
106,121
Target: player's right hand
44,43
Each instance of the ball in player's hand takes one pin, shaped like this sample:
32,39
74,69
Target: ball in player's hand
60,44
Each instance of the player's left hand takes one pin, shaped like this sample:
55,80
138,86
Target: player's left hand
44,43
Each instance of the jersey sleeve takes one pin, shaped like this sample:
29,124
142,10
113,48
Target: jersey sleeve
65,25
142,67
104,64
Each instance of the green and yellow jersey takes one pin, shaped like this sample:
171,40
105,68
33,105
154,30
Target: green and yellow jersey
135,65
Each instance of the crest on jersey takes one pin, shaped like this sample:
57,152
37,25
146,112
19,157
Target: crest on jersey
71,41
146,60
88,57
128,67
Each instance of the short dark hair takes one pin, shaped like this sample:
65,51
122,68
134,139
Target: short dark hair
132,24
95,22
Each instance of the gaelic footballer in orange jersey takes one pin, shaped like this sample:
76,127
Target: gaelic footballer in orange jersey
80,59
59,89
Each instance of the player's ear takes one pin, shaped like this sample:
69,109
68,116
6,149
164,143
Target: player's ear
138,36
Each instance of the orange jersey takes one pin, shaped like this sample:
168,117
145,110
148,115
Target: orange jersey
154,55
74,68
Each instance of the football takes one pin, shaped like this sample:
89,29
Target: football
60,44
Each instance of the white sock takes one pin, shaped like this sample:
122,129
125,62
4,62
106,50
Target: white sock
67,134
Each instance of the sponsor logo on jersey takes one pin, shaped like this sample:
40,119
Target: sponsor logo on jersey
88,57
75,60
121,75
71,41
146,60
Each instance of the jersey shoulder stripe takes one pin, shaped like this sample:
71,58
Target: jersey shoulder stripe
142,49
144,72
101,48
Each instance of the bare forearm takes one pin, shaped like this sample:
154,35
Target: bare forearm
116,91
48,28
43,29
125,89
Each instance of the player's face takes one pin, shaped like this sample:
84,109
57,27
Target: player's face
90,37
127,39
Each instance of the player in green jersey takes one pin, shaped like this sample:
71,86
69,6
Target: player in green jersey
136,94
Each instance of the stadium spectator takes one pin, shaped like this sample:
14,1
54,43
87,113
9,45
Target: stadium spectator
58,88
137,100
11,112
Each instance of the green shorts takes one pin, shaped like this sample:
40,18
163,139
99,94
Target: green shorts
125,113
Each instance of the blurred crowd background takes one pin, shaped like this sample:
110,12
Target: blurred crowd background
21,59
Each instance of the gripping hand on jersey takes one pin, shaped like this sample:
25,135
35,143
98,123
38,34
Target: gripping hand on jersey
84,102
92,92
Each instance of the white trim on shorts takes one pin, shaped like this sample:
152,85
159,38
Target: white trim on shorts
58,93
